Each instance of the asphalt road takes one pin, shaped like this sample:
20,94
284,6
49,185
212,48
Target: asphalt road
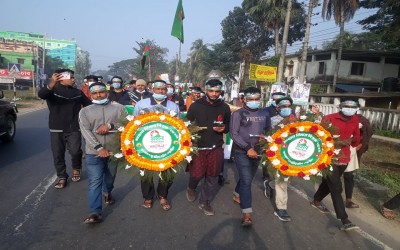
34,215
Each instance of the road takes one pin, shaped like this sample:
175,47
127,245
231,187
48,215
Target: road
34,215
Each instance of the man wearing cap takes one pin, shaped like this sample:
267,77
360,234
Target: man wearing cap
64,103
214,114
140,92
96,121
118,94
157,102
173,97
347,124
90,79
249,120
272,108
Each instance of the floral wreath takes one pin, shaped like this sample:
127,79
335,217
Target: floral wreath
291,126
133,157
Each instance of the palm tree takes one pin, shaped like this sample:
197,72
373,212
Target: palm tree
196,51
342,11
270,12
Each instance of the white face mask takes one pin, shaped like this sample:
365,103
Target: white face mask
349,111
170,91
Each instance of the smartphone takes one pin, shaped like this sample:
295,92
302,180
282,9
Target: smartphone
65,76
218,124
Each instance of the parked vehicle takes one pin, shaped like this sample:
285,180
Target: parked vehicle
8,116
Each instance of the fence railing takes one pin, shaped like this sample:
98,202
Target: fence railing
383,119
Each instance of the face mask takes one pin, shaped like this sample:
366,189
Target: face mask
273,103
253,104
170,91
116,85
159,97
100,102
349,111
285,112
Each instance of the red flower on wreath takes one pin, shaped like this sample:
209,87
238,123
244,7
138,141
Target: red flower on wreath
284,167
313,129
321,166
330,153
270,153
293,130
186,143
329,139
129,151
301,174
278,140
173,162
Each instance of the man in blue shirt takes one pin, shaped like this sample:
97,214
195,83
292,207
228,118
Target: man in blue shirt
245,126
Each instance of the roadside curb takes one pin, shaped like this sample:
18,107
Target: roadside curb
386,139
371,188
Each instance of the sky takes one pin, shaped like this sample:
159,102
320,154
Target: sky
110,29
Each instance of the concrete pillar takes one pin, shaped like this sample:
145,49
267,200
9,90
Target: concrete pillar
362,102
336,101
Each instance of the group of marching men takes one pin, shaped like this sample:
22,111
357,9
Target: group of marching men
96,109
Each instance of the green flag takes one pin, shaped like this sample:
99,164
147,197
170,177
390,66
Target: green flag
177,27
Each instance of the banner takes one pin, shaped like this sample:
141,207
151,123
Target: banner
24,74
262,73
301,93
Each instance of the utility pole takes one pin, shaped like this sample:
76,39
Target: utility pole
284,41
311,5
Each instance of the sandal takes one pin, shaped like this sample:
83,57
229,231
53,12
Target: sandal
246,222
108,199
236,199
320,207
92,219
387,213
62,183
164,204
147,204
76,176
351,204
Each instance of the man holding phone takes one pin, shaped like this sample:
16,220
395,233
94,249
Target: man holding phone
64,103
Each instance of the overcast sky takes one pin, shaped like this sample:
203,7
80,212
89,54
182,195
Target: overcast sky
109,29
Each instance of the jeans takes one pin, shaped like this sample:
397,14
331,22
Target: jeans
61,141
393,203
101,174
247,168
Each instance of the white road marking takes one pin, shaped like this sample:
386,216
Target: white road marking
32,200
364,234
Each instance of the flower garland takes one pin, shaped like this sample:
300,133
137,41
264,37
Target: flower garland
131,151
287,148
283,164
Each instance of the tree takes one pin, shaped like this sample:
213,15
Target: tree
385,23
83,65
270,14
342,11
52,64
122,68
357,41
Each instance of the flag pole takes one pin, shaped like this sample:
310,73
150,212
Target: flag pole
149,69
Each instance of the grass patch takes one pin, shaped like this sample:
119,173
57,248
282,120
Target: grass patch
385,177
387,133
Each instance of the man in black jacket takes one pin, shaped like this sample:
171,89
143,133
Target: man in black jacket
64,103
214,114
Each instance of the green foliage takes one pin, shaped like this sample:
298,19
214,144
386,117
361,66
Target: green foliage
385,177
385,22
360,41
82,66
52,64
387,133
272,61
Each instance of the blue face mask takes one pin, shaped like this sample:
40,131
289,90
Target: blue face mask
100,102
285,112
253,104
170,91
159,97
116,85
349,111
273,103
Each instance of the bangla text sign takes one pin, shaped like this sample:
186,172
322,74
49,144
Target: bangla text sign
262,73
25,74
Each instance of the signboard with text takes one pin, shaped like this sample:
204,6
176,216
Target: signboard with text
24,74
262,73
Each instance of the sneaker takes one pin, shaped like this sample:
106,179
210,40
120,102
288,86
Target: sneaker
207,209
320,207
268,191
191,194
282,215
348,227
